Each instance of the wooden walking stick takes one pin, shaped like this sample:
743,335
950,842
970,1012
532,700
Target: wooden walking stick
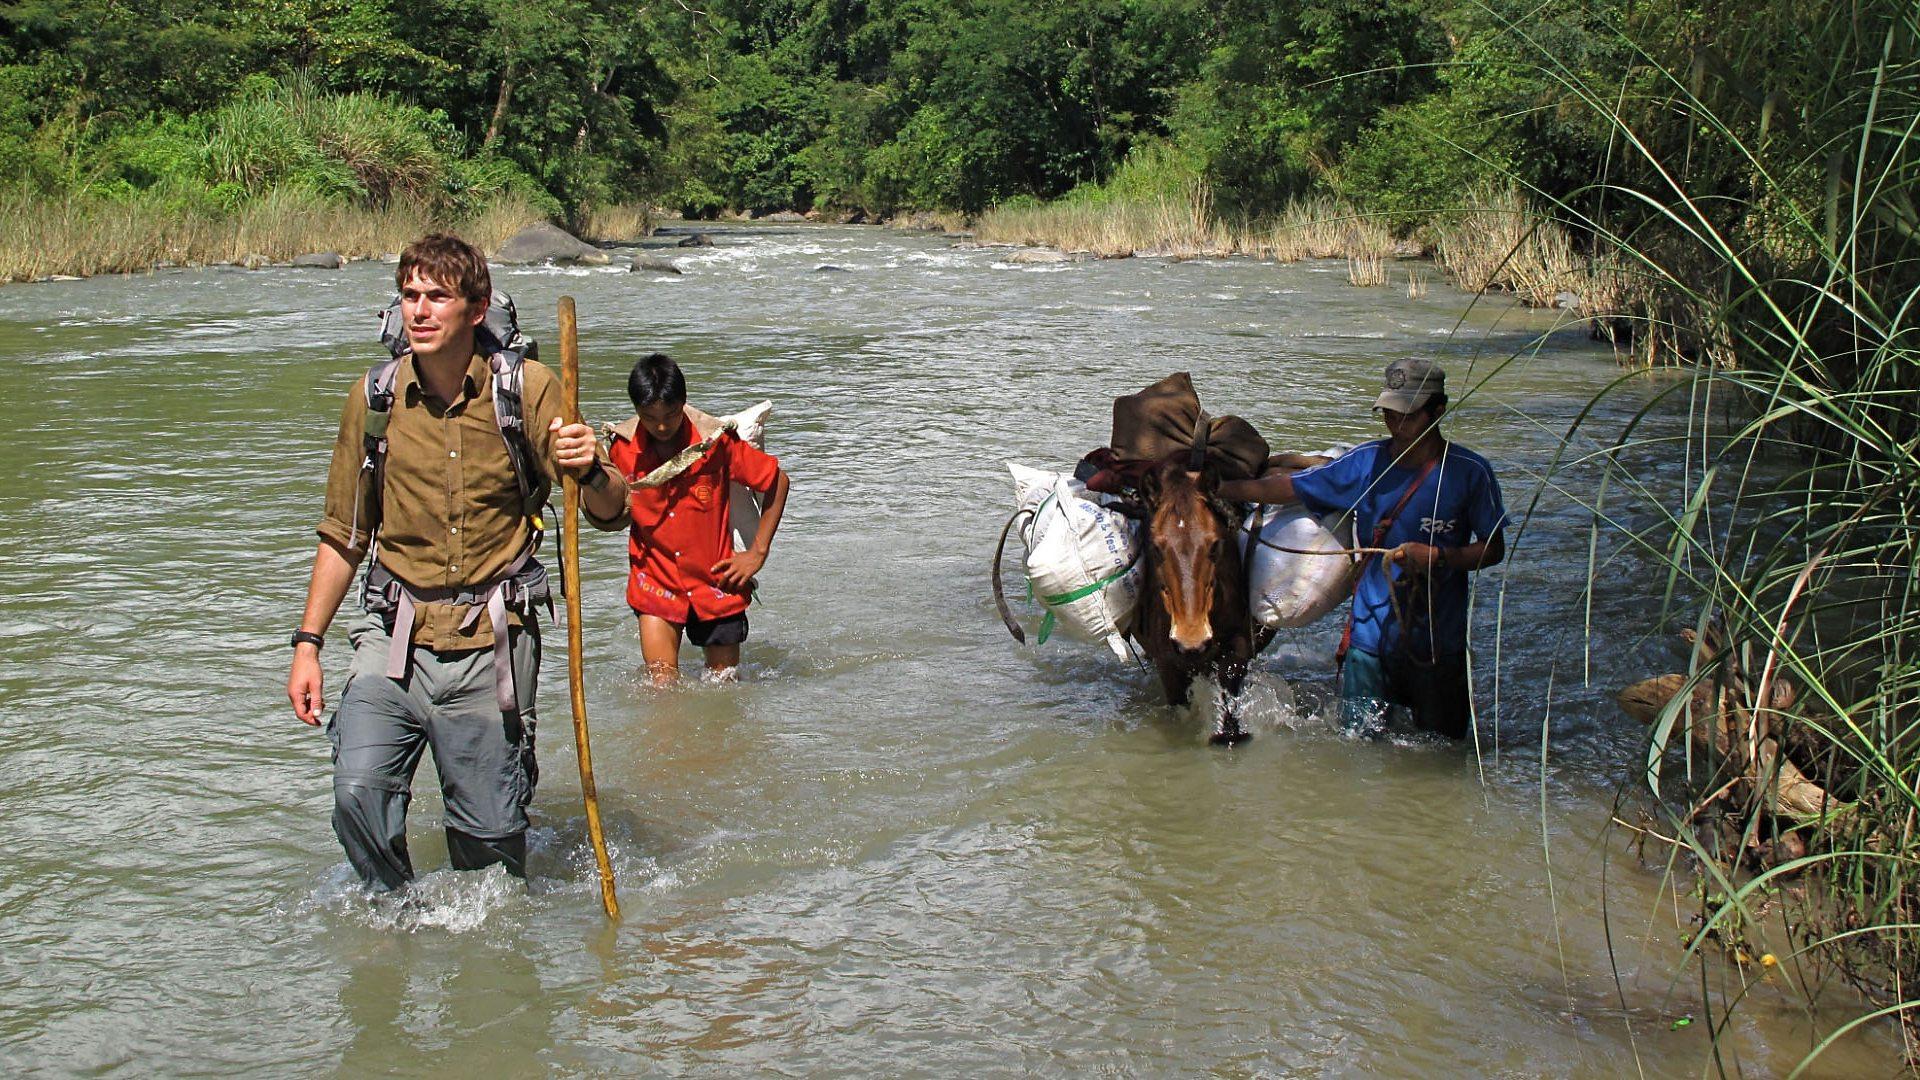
570,583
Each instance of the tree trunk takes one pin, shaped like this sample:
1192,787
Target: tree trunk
500,105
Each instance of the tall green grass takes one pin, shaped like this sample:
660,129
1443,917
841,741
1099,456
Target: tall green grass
358,146
1761,221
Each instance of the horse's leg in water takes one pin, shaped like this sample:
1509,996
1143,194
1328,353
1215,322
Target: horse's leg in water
1175,679
1233,678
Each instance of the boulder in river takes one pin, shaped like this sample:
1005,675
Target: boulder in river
320,260
785,217
649,262
545,243
829,268
1036,256
698,239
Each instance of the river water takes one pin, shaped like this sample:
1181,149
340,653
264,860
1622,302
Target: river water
902,845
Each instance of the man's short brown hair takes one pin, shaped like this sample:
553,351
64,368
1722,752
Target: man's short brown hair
449,260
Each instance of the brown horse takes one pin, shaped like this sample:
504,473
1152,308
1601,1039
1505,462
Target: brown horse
1193,616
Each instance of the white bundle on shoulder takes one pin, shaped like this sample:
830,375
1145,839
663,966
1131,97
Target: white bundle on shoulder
1083,559
743,503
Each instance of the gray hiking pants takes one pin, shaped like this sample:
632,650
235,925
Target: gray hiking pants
485,759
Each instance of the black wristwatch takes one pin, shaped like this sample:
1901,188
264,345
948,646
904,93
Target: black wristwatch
310,637
596,478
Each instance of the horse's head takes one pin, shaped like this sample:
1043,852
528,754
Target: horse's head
1187,537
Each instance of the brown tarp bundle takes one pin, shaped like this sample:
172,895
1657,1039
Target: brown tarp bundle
1158,421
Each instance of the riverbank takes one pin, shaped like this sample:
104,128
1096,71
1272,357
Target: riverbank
45,237
1496,242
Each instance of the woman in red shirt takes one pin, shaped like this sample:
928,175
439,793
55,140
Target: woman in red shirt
683,574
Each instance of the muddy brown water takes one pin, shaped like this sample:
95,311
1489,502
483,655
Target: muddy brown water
903,845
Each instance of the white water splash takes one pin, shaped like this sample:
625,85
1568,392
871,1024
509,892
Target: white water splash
455,901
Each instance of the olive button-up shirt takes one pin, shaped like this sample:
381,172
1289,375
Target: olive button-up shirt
450,515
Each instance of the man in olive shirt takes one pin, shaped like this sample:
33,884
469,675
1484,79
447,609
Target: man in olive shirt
448,654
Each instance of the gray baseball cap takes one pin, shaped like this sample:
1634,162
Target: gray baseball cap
1410,383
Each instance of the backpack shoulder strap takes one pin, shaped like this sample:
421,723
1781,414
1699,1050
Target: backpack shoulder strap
377,386
509,414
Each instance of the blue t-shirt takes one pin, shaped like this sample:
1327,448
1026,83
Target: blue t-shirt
1457,504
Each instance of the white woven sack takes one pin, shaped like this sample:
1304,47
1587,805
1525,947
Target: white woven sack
1288,589
1083,560
743,503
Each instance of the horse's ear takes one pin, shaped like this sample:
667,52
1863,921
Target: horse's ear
1209,482
1150,485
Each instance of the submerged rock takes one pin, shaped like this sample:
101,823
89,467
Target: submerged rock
829,268
320,260
544,243
1035,256
698,239
648,262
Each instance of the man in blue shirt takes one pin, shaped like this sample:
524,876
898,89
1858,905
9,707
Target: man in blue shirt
1437,508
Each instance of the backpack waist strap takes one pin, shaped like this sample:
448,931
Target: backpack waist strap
521,587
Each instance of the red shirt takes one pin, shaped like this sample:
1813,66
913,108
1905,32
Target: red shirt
680,529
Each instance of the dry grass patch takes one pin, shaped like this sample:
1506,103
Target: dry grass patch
1182,227
617,224
1366,270
1503,242
41,236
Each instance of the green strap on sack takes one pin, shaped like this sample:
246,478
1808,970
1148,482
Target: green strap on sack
1081,593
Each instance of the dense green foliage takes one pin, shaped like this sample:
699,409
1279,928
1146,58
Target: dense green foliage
363,100
761,105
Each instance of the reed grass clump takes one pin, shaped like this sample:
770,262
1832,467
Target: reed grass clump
616,223
42,236
1185,226
1180,225
1501,240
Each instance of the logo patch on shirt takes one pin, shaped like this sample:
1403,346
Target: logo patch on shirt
1436,525
703,492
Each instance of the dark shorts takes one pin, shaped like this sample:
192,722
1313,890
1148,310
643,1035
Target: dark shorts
731,630
1437,696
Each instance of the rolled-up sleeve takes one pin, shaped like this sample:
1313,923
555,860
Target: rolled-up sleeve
347,520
